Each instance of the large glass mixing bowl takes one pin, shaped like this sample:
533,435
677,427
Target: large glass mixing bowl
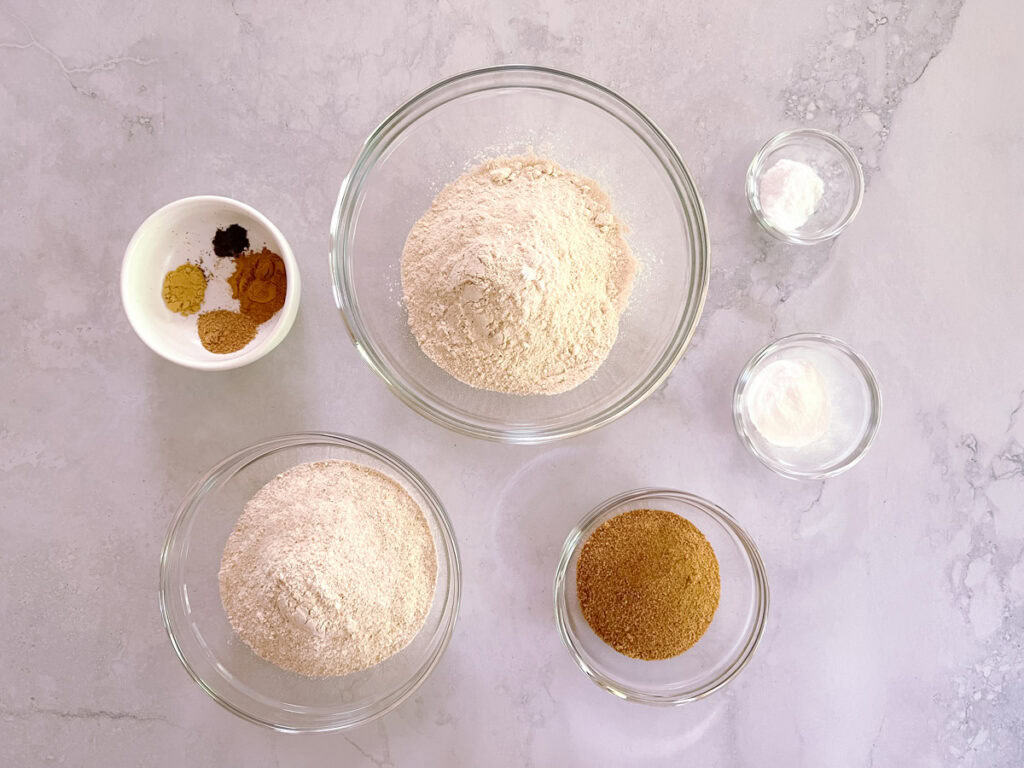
451,126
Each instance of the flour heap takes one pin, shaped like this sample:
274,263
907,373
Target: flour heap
515,278
330,569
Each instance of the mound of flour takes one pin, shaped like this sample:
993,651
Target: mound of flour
330,569
515,278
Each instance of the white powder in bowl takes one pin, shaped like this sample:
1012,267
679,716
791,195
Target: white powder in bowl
788,403
515,278
330,569
790,192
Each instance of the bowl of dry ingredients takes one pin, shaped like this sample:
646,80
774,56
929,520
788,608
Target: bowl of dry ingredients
210,283
520,254
310,582
660,596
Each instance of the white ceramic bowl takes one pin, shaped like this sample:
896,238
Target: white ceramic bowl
183,231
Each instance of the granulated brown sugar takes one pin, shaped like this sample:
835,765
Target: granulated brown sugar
648,583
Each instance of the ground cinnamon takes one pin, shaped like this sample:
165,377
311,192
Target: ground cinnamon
648,583
259,283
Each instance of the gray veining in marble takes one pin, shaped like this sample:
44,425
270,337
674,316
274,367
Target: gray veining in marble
895,632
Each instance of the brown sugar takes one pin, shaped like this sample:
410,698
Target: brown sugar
259,283
648,583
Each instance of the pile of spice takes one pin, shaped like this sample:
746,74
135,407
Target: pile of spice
223,331
330,569
184,289
231,242
648,583
259,283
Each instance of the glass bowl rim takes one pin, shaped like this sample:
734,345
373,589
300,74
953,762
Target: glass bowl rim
817,135
340,256
574,541
434,508
874,419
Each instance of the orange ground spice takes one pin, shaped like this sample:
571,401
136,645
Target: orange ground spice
259,283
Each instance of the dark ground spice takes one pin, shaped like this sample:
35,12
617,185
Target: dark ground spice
230,242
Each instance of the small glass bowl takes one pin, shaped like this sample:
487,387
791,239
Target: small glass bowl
222,664
718,656
455,124
855,403
834,162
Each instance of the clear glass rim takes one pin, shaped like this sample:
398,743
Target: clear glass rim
754,169
518,76
874,418
575,540
451,600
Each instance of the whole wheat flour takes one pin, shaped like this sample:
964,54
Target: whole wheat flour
330,569
515,278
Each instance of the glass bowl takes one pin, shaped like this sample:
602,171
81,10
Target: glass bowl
719,655
834,162
222,664
854,398
454,125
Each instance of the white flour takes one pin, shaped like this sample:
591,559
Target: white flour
515,278
330,569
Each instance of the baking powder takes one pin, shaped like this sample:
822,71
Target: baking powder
790,192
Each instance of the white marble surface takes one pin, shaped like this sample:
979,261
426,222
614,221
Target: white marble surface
896,623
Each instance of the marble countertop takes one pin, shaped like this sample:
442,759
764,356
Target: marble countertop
896,622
